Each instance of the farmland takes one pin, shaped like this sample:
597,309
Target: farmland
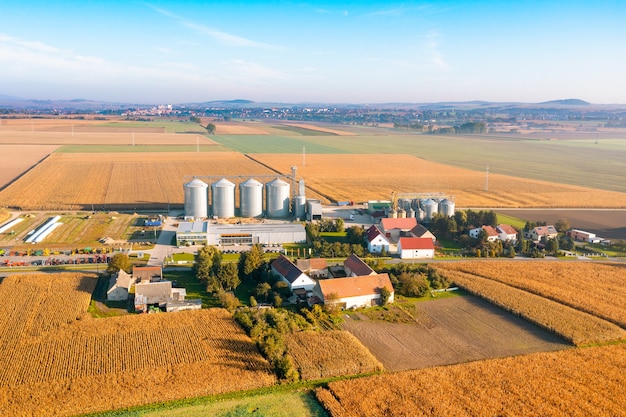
57,360
575,382
573,324
16,159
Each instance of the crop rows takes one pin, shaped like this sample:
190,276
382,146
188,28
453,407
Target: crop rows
597,289
332,353
573,325
575,382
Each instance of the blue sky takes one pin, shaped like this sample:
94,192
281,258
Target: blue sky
328,52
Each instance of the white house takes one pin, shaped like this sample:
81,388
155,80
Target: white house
394,228
421,231
354,292
492,234
376,240
538,232
291,274
119,286
416,248
355,266
506,233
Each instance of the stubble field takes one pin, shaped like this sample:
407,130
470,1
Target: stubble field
17,159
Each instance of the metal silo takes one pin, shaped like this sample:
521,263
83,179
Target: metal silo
299,206
251,198
411,213
430,208
196,198
223,198
446,207
404,203
402,214
277,201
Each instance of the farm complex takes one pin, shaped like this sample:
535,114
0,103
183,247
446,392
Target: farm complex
272,214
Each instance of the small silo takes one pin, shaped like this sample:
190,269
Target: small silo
401,214
223,198
251,198
404,203
299,206
446,207
392,214
411,213
196,199
430,209
277,199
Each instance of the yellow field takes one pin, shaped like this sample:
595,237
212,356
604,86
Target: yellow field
327,354
17,159
133,180
369,177
576,382
321,129
59,361
597,289
223,128
99,137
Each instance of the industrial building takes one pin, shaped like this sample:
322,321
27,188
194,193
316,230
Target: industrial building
205,232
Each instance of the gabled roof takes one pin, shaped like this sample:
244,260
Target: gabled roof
407,223
155,292
373,232
545,230
355,286
357,266
312,264
491,232
506,228
286,268
144,273
123,279
413,243
421,231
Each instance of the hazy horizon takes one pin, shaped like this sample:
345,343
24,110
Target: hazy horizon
323,52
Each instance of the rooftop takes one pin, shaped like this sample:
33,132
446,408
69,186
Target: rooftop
355,286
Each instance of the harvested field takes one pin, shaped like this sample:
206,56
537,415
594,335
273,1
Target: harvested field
576,382
597,289
222,128
574,325
17,159
93,136
328,354
357,178
152,181
320,129
59,361
448,331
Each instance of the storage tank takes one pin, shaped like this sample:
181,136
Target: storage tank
419,215
251,198
446,207
430,209
196,199
411,213
299,206
277,200
401,214
223,198
392,214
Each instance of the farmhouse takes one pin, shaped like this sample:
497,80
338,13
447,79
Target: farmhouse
161,294
416,248
540,231
422,232
506,233
147,273
354,266
492,234
291,274
376,240
354,292
314,267
394,228
204,232
119,286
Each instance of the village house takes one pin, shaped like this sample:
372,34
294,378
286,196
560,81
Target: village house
393,229
422,232
291,274
507,233
376,240
119,286
354,292
314,267
416,248
492,234
355,266
540,231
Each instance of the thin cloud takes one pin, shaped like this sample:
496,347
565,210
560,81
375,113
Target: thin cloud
218,35
435,54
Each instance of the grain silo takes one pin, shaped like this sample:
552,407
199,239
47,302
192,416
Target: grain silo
430,208
251,198
223,198
299,206
277,200
196,199
446,207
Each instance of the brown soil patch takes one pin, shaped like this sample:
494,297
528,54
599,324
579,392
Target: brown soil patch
238,129
448,331
17,159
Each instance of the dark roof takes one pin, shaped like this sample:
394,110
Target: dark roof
357,266
286,268
372,232
421,231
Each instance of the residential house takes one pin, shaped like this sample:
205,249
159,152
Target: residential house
314,267
540,231
355,266
119,286
147,273
506,233
152,293
416,248
376,240
291,274
422,232
394,228
492,234
354,292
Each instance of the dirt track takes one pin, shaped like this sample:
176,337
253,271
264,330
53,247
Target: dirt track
451,330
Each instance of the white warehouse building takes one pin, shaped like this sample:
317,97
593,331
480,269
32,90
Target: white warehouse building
245,234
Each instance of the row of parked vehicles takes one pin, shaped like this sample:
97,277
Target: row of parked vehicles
96,259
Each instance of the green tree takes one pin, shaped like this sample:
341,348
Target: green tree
207,263
253,262
384,296
262,291
355,235
195,119
228,300
117,262
228,276
562,225
339,224
552,246
210,128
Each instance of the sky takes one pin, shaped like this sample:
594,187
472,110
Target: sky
324,52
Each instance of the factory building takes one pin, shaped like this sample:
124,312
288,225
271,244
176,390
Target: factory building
198,233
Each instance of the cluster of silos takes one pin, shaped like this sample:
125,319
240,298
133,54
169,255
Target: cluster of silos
277,201
423,209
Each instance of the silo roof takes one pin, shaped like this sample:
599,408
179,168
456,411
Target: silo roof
223,183
196,183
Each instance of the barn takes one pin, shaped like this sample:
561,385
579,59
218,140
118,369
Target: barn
354,292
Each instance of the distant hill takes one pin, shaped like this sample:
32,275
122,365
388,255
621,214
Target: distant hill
568,102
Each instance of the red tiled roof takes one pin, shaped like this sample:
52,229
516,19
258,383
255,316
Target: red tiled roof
286,268
357,266
416,243
490,231
508,229
407,223
355,286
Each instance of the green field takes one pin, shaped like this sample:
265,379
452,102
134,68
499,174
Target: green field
277,144
168,125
